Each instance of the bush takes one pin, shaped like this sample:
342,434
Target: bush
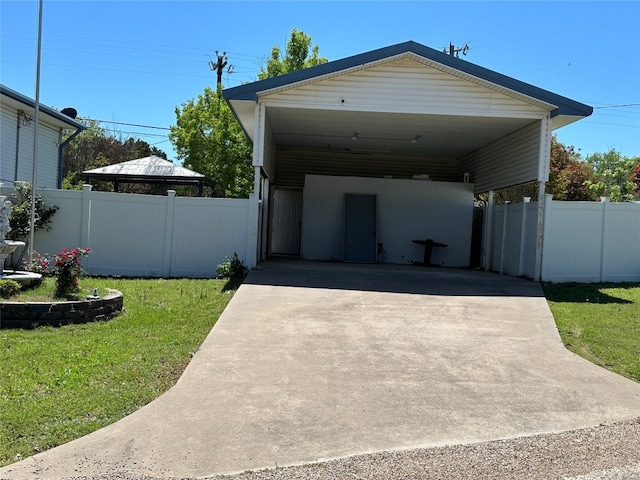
20,218
67,268
39,263
232,268
9,288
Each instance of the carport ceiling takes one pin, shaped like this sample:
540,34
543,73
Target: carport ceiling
403,134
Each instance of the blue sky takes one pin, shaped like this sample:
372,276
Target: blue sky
133,62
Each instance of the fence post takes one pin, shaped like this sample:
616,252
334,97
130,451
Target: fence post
85,225
503,242
488,219
168,233
603,246
523,231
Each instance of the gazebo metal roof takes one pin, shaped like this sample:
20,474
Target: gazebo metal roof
152,170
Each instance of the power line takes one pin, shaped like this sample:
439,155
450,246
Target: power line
129,124
620,105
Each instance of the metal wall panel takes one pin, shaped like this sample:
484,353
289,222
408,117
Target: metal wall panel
294,165
505,162
269,159
406,86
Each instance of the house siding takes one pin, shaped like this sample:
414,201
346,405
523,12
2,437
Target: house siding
269,154
48,141
508,161
294,165
406,86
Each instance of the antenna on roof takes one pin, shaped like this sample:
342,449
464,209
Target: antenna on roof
453,51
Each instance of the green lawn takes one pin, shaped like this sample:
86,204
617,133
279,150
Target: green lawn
58,384
600,322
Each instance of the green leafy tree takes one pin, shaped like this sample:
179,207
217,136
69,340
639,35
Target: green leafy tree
209,140
95,147
298,55
635,179
207,136
614,175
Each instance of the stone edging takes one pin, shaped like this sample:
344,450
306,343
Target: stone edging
36,314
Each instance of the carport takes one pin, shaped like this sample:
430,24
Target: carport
356,158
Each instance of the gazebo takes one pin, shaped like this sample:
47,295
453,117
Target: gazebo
150,170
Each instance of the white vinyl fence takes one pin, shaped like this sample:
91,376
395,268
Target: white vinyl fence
582,242
146,235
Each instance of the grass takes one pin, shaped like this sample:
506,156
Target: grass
61,383
600,322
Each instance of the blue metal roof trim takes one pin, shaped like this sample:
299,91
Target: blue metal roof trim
43,108
566,106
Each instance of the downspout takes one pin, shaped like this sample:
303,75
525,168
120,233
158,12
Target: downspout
61,153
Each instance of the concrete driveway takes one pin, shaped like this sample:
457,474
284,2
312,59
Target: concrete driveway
318,360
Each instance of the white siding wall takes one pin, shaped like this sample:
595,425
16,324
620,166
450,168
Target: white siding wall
406,86
147,235
508,161
269,160
48,140
406,210
8,125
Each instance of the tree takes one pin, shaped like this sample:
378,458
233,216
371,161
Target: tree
297,56
209,140
614,175
95,148
635,179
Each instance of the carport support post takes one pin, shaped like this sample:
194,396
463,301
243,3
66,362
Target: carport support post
487,231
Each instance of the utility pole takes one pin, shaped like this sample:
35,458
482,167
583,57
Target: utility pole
219,65
453,51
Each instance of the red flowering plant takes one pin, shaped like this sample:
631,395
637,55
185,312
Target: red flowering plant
67,268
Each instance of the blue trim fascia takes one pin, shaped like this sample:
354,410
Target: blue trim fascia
43,108
565,106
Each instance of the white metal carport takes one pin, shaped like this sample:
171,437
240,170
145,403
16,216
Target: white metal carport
392,114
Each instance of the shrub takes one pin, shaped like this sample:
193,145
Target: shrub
67,268
39,263
232,268
9,288
20,218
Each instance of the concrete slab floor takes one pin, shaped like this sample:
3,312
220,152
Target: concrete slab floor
314,360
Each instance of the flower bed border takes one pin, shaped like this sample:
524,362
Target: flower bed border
36,314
